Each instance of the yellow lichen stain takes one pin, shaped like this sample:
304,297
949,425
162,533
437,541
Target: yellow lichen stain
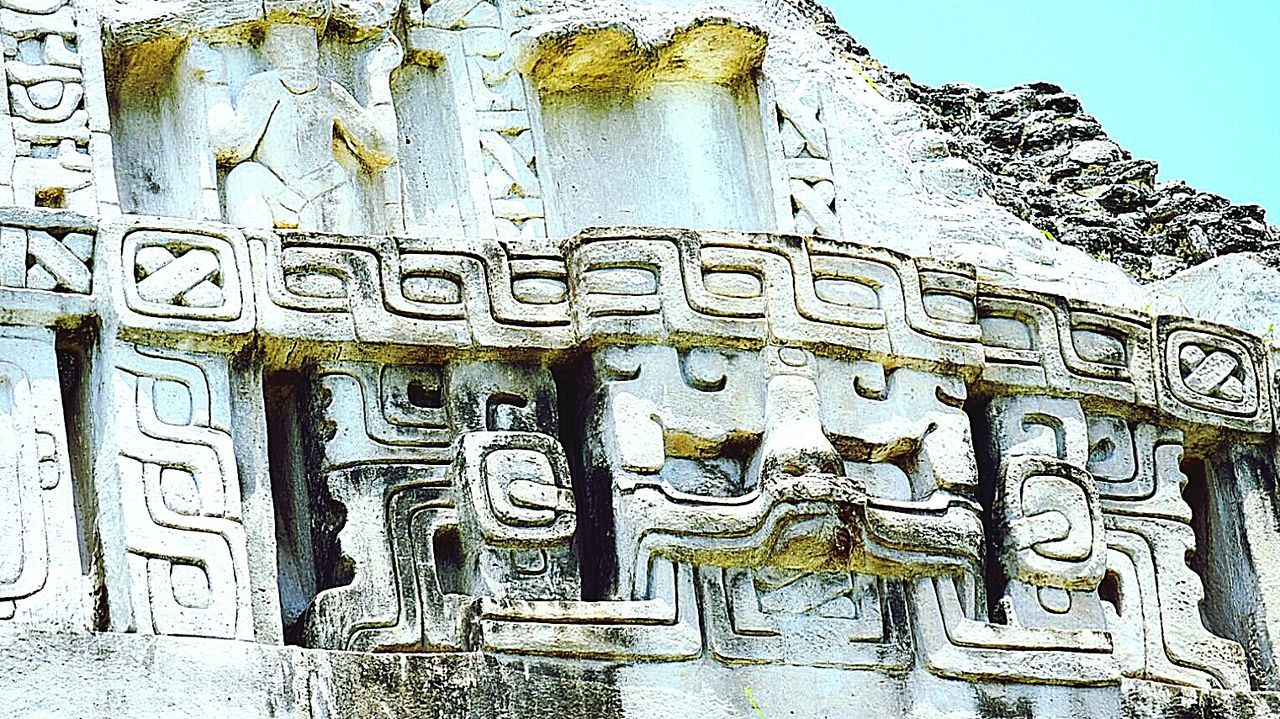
611,59
429,59
870,82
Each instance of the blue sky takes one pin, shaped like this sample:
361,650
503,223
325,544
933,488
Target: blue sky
1193,85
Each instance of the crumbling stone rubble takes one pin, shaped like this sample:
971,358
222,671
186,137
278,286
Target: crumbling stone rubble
1053,165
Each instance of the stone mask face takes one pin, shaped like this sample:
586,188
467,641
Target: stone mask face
360,358
780,459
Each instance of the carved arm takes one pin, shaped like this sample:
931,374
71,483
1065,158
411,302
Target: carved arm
371,130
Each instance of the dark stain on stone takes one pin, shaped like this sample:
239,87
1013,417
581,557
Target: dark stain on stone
997,707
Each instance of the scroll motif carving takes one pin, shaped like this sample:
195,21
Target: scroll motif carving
39,565
1046,343
47,118
815,293
180,499
1053,544
411,292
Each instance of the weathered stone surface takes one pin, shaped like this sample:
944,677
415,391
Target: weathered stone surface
388,393
1051,164
114,675
1237,290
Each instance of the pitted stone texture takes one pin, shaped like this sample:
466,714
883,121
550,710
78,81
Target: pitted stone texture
1052,164
40,584
356,377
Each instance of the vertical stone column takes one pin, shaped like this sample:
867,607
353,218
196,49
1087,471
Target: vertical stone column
500,151
1048,514
377,440
44,283
511,476
804,163
40,579
185,521
1242,556
55,148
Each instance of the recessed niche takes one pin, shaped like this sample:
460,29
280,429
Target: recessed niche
345,156
665,136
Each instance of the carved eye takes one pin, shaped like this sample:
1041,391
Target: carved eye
424,397
1102,450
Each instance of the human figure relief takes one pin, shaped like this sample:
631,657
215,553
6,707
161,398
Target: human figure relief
289,130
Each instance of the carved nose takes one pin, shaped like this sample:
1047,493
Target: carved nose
801,460
794,443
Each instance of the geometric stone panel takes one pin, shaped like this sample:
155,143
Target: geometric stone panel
172,530
46,265
802,136
1213,374
178,276
761,616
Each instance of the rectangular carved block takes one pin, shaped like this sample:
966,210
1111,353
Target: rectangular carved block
40,580
172,515
46,265
168,276
1213,374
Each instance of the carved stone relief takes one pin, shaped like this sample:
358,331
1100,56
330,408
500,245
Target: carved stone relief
791,500
46,140
473,493
301,397
292,121
276,137
499,136
175,541
1090,499
806,155
40,578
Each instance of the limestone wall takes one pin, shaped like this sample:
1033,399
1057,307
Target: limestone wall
567,359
